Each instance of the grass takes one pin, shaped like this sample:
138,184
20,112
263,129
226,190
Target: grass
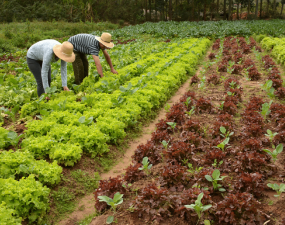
23,35
87,220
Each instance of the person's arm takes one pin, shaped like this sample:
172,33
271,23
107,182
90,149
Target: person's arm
45,68
64,75
108,59
98,65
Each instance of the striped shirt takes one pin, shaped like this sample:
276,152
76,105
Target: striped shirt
85,43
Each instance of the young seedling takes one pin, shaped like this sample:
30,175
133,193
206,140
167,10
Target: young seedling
277,188
172,125
230,93
14,138
83,120
265,110
223,144
246,73
221,107
198,206
165,144
146,166
117,200
271,136
215,164
167,107
13,113
268,88
214,179
202,84
224,132
192,170
191,112
275,153
188,101
232,84
229,68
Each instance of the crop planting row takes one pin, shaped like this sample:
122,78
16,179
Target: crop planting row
71,124
217,156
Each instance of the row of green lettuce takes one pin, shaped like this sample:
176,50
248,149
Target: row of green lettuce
101,118
72,123
19,87
275,45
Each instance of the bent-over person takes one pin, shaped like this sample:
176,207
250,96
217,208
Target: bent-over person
88,44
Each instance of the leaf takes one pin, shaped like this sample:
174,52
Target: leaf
12,135
207,222
279,148
110,219
117,197
200,196
222,189
205,207
209,178
268,151
104,199
216,174
81,119
282,188
223,130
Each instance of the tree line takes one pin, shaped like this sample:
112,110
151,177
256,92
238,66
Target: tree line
138,11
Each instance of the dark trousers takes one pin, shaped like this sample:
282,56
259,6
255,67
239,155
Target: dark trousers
80,67
36,68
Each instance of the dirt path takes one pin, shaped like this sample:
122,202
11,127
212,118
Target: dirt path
87,203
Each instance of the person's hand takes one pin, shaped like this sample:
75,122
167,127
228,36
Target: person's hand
114,71
65,88
47,98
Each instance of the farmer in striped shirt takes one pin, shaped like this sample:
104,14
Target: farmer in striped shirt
88,44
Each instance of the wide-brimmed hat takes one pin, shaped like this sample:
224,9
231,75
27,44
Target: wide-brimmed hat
64,51
105,39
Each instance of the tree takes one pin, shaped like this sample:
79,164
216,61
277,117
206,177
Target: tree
260,9
230,9
225,9
256,9
282,4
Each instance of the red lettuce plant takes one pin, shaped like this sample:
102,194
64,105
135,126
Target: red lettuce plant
212,56
195,79
204,105
149,150
133,173
174,176
153,202
250,182
240,208
108,188
189,197
178,151
252,144
191,137
213,79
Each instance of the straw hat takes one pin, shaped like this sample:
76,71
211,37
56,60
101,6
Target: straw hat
105,39
64,51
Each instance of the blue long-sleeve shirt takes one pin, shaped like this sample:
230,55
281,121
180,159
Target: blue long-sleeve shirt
43,51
